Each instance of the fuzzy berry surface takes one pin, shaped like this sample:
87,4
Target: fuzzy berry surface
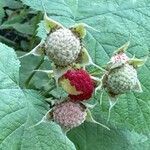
69,114
63,47
121,80
82,82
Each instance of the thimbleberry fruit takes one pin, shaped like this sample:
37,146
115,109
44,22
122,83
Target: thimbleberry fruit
78,84
63,47
69,114
121,80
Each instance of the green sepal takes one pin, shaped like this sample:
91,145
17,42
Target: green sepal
47,117
85,59
87,105
137,62
112,103
137,87
89,118
39,50
56,72
51,101
50,73
111,65
79,30
59,71
51,24
100,83
123,48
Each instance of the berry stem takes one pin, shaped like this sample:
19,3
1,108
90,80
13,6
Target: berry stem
97,71
101,98
33,73
100,68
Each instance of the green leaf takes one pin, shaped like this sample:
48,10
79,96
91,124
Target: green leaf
24,28
21,109
28,64
58,7
137,141
42,31
11,4
1,13
89,118
9,68
8,3
93,137
96,138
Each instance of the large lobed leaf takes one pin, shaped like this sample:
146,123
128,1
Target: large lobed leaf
21,109
117,22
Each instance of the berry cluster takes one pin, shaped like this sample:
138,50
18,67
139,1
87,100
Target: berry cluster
64,47
79,86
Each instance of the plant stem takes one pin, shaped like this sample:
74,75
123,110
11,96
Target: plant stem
33,73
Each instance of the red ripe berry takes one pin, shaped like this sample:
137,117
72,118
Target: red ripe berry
78,84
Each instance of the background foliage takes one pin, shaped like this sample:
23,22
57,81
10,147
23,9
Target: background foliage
117,21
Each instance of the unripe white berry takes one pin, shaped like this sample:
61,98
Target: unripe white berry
121,79
63,47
